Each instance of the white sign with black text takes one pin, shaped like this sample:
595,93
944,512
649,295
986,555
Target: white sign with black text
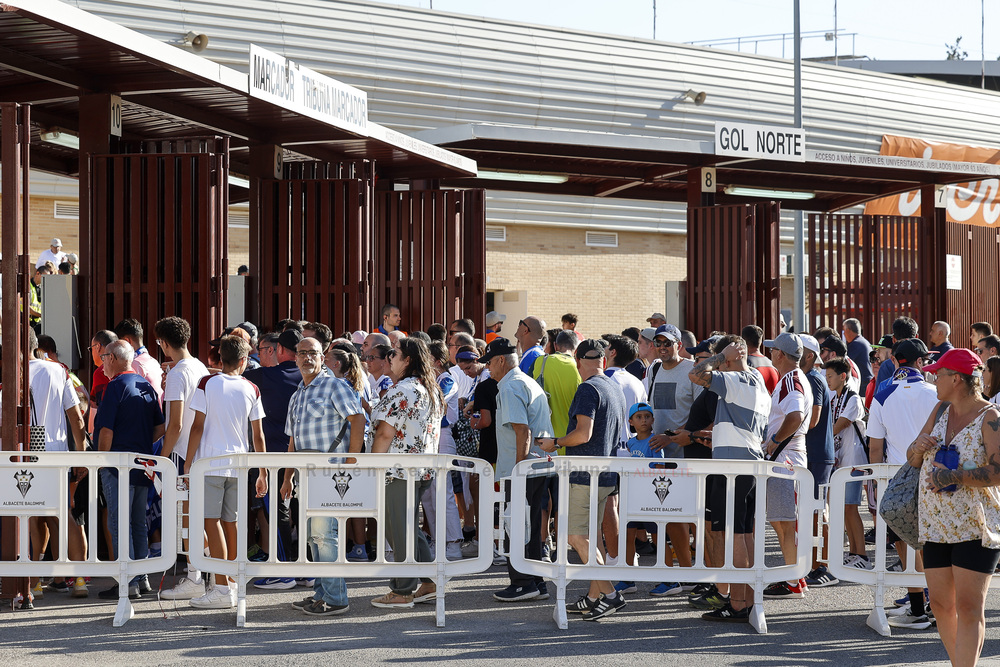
661,493
343,490
775,142
30,488
283,82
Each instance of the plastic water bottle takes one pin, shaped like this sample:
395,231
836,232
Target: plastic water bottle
947,456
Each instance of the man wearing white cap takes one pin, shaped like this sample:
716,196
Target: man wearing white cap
494,322
53,254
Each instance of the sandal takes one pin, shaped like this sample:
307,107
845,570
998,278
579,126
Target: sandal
393,601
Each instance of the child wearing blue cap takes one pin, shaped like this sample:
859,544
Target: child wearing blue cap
640,418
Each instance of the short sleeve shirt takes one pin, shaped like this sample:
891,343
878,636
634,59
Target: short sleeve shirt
52,395
416,421
899,411
229,403
600,399
182,382
848,448
559,378
318,412
671,393
793,394
131,410
519,401
741,415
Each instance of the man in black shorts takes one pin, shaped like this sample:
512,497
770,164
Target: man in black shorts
740,423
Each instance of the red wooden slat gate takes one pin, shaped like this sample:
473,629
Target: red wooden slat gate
976,301
316,252
732,268
867,267
159,238
432,256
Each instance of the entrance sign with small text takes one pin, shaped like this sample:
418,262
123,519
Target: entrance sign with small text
776,142
295,87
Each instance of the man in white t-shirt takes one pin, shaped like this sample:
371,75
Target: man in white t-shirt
791,406
899,411
54,403
173,334
621,352
52,254
224,403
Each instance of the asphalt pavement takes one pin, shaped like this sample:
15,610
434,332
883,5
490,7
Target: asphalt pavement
826,628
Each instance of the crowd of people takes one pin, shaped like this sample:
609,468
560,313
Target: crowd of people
823,401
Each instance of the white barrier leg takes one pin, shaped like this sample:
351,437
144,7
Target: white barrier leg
559,612
757,618
877,620
241,598
439,601
125,611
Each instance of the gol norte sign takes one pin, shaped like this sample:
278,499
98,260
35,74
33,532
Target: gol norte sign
283,82
975,203
760,141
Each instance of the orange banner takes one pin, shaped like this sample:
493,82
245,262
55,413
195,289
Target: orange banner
971,203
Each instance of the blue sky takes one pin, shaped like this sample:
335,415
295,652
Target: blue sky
885,29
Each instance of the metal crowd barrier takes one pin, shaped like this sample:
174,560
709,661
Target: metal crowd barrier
342,487
663,491
41,488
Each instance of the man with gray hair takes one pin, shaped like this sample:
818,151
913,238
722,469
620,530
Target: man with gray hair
939,342
858,349
522,415
531,339
130,420
791,407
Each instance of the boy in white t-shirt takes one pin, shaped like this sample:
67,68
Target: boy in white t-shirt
172,335
224,403
848,412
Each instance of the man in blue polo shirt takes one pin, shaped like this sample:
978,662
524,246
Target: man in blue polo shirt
130,420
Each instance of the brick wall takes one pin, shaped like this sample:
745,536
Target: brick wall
608,288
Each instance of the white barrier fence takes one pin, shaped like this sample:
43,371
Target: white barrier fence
342,487
879,577
663,491
42,488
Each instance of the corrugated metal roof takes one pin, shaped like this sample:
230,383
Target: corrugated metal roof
428,69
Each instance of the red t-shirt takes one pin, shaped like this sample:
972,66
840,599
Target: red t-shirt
98,385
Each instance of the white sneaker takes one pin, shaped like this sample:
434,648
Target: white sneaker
216,599
898,611
908,621
611,562
184,590
858,562
453,551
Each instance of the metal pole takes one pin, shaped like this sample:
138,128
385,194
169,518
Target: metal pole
982,44
836,36
654,19
799,270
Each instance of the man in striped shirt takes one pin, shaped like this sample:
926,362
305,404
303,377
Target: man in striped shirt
740,423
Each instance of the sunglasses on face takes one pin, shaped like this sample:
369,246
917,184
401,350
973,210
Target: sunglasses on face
663,343
391,355
599,356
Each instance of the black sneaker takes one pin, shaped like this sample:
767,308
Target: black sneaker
112,593
321,608
728,615
604,606
645,548
712,600
302,604
58,585
702,589
870,536
783,589
543,591
516,593
581,606
821,577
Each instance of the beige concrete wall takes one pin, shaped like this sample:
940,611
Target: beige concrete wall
609,289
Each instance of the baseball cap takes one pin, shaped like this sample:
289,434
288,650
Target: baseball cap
72,258
493,317
656,316
959,360
225,332
884,341
592,348
810,343
642,406
249,328
56,243
909,350
289,339
704,346
498,347
358,337
649,333
835,345
670,331
788,343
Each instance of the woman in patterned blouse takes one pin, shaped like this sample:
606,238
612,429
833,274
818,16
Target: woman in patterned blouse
960,524
407,420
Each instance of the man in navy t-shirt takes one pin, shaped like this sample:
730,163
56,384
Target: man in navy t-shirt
130,420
